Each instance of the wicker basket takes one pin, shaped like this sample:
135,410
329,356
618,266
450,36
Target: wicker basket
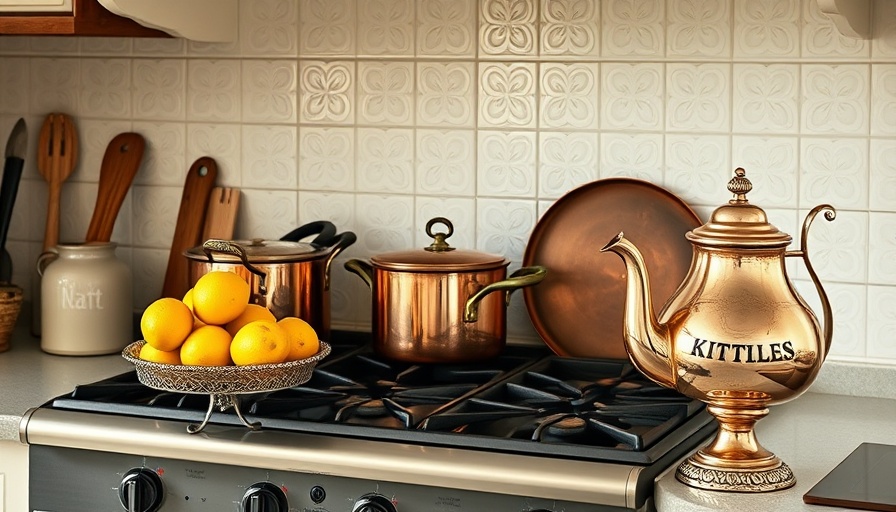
10,306
222,380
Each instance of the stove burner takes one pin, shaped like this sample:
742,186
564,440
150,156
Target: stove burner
564,426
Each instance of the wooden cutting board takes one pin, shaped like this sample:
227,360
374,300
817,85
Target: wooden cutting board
220,217
190,221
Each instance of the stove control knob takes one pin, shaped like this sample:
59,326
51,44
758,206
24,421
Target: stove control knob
264,497
141,490
374,503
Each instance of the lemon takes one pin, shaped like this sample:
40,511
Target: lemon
219,297
166,323
259,342
252,313
188,300
208,345
302,338
148,353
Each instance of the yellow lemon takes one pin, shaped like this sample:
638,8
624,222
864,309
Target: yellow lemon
188,300
148,353
259,342
252,313
219,297
303,340
208,345
166,323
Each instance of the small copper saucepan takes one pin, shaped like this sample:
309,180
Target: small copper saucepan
440,304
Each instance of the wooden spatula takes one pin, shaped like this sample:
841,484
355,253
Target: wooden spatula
190,221
120,163
57,155
220,217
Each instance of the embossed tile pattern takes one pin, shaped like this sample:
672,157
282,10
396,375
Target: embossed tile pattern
381,114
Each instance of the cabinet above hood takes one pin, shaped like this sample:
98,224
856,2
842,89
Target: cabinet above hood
199,20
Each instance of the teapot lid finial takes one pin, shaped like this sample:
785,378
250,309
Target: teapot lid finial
739,186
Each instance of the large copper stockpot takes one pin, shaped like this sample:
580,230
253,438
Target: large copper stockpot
440,304
288,276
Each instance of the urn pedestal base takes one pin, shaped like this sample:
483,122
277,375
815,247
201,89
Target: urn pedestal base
735,461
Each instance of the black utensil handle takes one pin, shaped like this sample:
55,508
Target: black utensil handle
324,229
12,173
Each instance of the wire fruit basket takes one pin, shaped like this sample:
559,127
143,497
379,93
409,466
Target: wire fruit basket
222,383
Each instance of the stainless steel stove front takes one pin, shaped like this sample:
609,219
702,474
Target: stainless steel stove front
93,462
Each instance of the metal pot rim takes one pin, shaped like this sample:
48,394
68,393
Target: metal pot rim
262,251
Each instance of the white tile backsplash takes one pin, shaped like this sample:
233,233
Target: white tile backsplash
381,114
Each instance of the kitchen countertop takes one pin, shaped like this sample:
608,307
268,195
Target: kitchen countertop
847,405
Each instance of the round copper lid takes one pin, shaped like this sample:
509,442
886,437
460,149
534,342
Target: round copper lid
739,223
263,251
438,256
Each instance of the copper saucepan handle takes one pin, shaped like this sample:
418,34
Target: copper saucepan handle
214,245
362,268
525,276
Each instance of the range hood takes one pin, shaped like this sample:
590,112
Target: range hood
198,20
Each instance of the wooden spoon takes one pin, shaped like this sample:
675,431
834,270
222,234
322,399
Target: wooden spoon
57,155
190,219
120,163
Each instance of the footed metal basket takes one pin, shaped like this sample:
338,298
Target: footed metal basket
222,383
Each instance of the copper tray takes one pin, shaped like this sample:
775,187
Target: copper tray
577,309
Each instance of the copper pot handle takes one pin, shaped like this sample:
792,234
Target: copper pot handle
523,277
214,245
363,270
338,244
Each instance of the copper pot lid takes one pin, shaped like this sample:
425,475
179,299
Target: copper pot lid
262,251
739,223
438,256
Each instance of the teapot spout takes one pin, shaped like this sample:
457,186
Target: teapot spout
646,340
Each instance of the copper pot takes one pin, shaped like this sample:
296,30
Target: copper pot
288,276
440,304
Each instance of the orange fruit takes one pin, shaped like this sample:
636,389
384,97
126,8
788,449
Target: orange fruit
208,345
302,338
219,297
166,323
259,342
252,313
148,353
188,300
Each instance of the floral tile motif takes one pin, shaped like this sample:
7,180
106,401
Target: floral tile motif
698,29
569,96
384,222
504,226
446,28
632,28
507,27
386,93
632,96
327,90
766,29
632,155
156,209
326,159
158,46
883,99
772,165
221,140
159,89
213,90
883,175
566,160
839,248
386,28
697,97
164,161
336,207
835,99
507,95
105,88
268,91
461,211
766,98
327,27
506,164
570,28
697,168
55,85
267,214
821,39
445,162
445,93
881,322
268,28
834,171
106,46
882,249
385,160
269,156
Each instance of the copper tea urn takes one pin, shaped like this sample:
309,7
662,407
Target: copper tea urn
735,335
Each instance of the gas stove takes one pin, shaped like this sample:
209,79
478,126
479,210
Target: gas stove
527,431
